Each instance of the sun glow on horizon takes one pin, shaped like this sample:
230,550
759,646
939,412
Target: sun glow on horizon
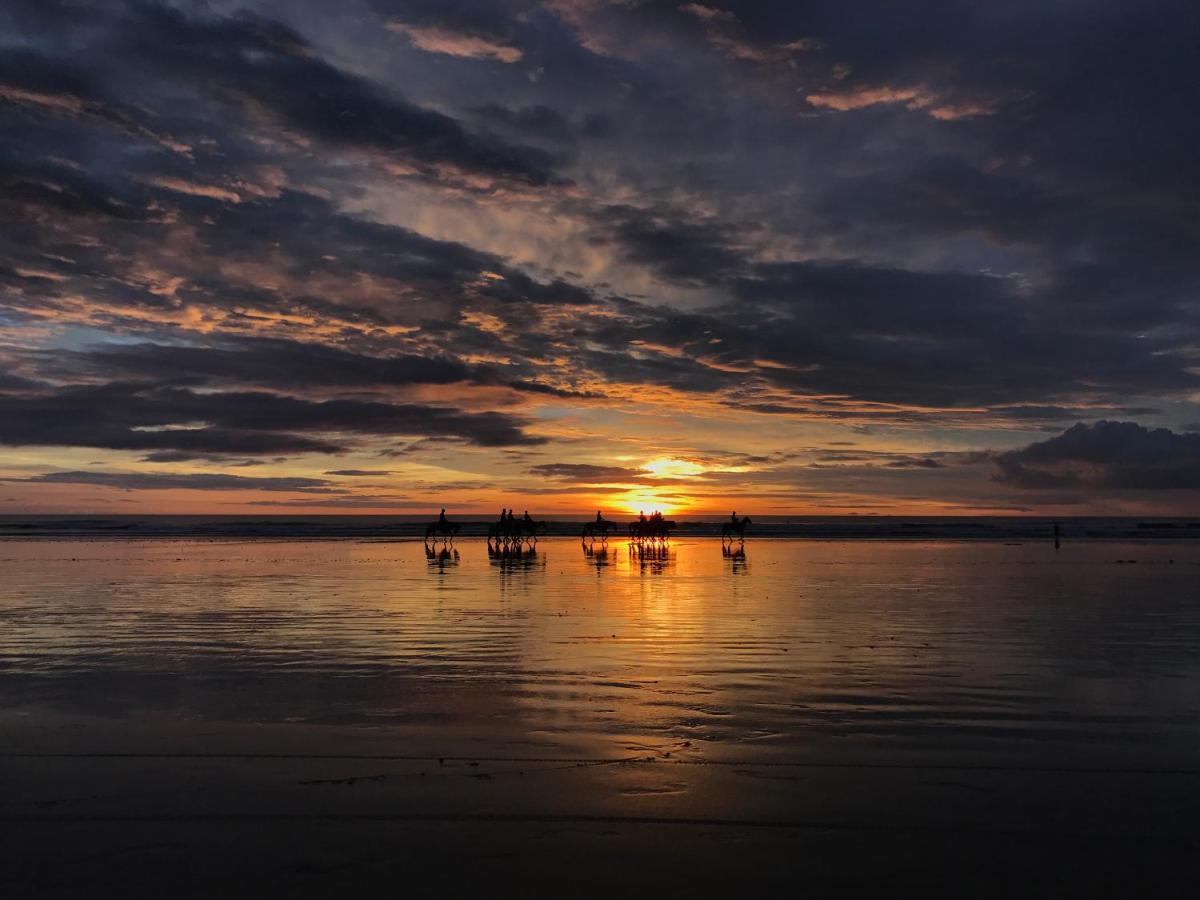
651,501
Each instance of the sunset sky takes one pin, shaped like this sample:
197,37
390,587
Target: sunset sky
788,258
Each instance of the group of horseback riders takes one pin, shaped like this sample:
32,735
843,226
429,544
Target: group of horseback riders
513,531
655,529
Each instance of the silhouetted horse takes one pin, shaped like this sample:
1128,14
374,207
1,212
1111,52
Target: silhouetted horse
513,532
735,528
528,529
598,528
652,529
441,530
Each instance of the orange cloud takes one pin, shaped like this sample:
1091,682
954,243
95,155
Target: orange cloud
917,97
433,39
194,189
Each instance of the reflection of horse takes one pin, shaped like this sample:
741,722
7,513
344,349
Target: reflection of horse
599,528
514,556
654,529
736,554
441,530
735,528
441,557
597,555
652,556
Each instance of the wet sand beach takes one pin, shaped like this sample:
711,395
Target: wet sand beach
191,718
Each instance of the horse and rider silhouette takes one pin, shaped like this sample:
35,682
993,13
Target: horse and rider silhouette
735,528
654,529
441,530
510,531
599,527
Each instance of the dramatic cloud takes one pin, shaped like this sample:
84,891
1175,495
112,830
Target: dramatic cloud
505,242
1120,456
435,39
137,416
159,481
584,472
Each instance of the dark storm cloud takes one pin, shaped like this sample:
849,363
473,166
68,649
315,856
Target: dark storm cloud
534,387
877,333
266,363
496,19
286,365
977,104
158,481
537,121
1107,456
585,472
679,249
265,66
140,416
177,456
11,382
937,342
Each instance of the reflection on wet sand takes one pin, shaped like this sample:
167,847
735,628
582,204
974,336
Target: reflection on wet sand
652,558
441,556
866,692
597,553
735,553
516,558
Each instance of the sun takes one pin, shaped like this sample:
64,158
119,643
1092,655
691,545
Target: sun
648,502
